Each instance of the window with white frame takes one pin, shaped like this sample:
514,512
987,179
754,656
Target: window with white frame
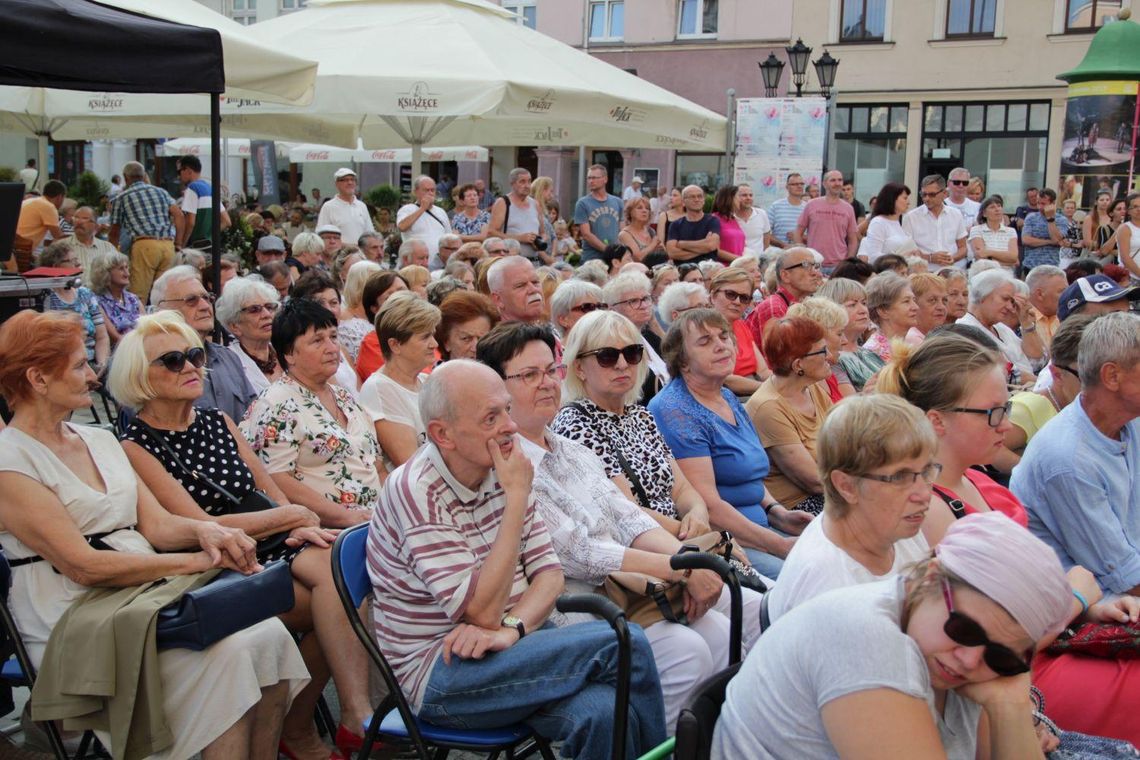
697,18
607,20
243,11
862,20
527,10
970,18
1090,15
288,6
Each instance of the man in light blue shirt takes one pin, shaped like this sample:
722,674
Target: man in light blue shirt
1080,476
785,212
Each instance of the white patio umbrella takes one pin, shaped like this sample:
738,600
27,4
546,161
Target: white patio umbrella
307,153
498,83
238,147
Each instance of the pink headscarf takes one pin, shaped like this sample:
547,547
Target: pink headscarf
1009,565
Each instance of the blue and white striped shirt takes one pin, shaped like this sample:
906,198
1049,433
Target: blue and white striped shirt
143,210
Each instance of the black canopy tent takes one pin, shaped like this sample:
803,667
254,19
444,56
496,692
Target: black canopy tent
82,45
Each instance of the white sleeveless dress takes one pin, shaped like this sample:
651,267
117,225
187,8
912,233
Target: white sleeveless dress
204,692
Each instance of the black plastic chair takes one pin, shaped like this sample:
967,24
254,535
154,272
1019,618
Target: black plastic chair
697,720
18,671
393,719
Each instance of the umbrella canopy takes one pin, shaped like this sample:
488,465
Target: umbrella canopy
192,146
330,154
489,89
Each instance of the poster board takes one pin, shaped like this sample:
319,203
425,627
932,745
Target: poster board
1098,151
776,137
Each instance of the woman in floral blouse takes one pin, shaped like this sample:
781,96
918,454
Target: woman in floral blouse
317,443
469,221
109,274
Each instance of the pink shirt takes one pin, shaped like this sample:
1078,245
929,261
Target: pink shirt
826,228
731,235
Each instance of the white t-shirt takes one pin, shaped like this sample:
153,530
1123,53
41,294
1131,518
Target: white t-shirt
817,565
351,218
427,228
967,208
995,240
385,399
1133,250
755,228
1008,341
936,233
883,235
843,642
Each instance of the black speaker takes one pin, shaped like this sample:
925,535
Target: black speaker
11,196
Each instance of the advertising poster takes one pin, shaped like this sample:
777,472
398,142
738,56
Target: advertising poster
1099,147
263,157
776,137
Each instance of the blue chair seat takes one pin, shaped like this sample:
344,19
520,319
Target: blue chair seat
11,671
393,725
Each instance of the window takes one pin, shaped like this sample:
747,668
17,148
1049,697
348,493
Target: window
870,145
970,18
288,6
607,19
1089,15
243,11
862,20
696,18
528,13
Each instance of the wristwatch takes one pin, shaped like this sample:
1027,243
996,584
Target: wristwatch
512,621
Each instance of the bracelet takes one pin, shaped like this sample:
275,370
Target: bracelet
1031,328
1050,219
768,508
1084,602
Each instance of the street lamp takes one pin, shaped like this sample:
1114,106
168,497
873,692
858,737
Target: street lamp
771,70
825,68
798,56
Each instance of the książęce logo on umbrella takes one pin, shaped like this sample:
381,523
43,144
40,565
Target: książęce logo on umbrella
418,98
106,102
541,103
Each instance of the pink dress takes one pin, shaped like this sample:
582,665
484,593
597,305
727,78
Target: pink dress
731,235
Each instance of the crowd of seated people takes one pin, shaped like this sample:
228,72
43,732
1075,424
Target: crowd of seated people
933,468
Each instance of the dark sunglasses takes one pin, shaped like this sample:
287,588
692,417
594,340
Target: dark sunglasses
607,357
732,295
586,308
176,360
964,630
959,182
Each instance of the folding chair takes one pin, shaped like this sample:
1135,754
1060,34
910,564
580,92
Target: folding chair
19,671
393,719
697,720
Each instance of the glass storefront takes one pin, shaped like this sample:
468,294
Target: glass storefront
870,145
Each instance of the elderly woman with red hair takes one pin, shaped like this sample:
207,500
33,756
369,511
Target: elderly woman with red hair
789,408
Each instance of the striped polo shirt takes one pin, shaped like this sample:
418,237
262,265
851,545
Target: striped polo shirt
427,542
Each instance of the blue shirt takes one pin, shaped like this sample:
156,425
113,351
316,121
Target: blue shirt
1036,226
784,217
683,229
1082,491
691,430
604,218
143,210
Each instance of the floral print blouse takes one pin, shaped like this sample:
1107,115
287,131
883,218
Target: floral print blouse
290,429
122,314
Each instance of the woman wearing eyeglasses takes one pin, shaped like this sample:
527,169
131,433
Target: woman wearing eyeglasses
942,650
731,293
158,371
788,410
629,295
246,309
571,301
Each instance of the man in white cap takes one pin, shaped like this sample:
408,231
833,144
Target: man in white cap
347,212
333,239
423,220
633,191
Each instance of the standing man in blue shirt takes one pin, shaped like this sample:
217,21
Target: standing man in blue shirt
1044,232
597,214
1080,476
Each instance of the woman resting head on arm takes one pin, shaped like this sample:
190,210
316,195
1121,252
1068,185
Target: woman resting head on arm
953,636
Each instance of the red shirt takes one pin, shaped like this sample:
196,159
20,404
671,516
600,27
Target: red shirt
369,359
745,350
774,306
997,497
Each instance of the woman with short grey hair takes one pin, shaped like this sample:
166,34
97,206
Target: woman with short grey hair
307,251
246,309
109,274
571,301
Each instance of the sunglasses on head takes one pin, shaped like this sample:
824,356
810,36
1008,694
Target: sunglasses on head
964,630
607,357
586,308
176,360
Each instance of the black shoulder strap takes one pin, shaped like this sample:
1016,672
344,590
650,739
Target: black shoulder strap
957,506
507,212
182,465
627,470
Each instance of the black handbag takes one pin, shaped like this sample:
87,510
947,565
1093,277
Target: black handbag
229,603
254,501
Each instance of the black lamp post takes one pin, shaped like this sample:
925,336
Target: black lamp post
825,68
771,70
798,56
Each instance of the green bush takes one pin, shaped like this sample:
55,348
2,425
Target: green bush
8,174
384,196
88,190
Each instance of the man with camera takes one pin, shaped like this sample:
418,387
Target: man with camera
516,216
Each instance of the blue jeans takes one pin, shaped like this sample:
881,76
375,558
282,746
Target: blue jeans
559,681
765,564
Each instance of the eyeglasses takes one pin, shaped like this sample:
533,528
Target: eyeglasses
257,308
635,302
176,360
820,352
1070,370
607,357
929,474
934,194
533,376
191,301
586,308
964,630
732,295
994,416
807,264
959,182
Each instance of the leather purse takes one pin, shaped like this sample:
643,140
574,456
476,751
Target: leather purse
229,603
